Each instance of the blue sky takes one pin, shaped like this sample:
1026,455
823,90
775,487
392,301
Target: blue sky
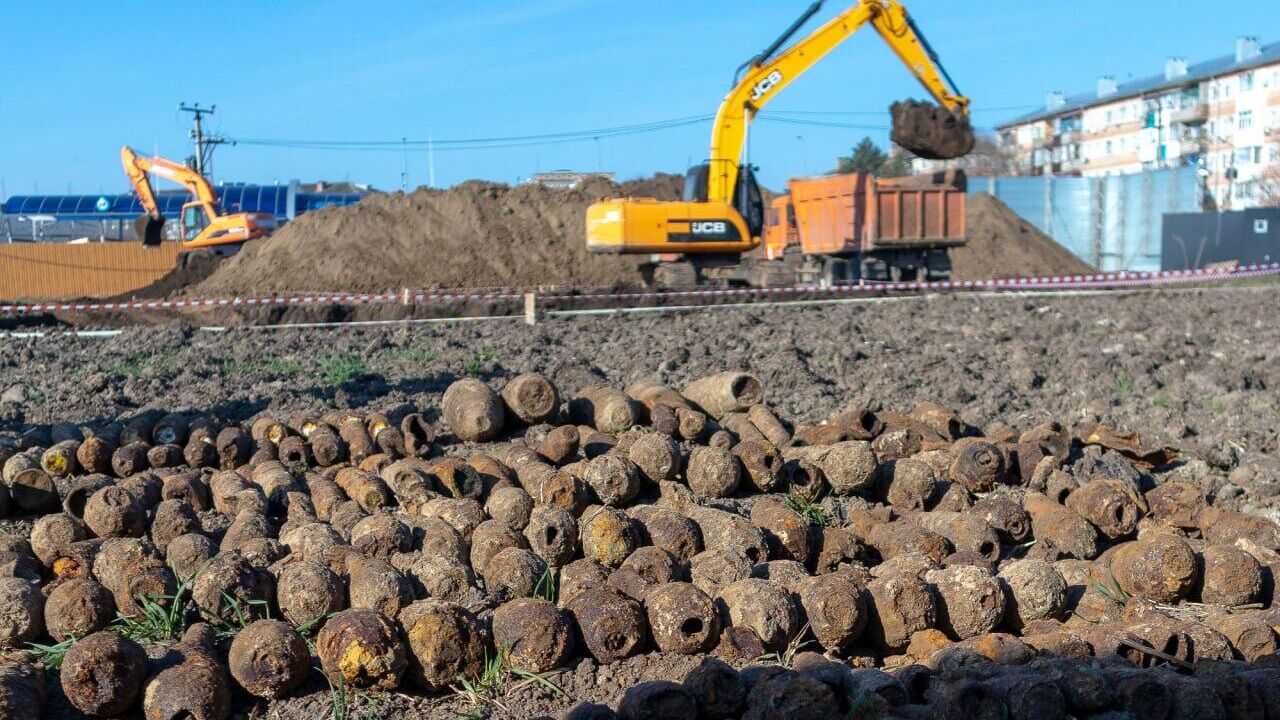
81,78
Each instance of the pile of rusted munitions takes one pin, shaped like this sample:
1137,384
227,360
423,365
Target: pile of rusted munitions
880,564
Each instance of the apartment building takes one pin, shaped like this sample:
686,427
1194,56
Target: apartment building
1221,116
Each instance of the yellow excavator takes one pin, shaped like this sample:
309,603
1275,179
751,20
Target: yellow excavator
722,215
203,224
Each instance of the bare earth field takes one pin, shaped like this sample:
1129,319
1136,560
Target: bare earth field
1197,369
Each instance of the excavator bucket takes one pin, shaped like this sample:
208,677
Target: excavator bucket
149,229
931,132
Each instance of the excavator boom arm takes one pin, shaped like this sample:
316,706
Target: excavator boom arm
137,168
768,75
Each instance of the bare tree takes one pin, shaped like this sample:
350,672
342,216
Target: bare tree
1269,186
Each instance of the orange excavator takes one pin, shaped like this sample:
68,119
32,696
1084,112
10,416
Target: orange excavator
203,224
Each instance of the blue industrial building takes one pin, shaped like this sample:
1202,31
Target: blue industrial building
54,217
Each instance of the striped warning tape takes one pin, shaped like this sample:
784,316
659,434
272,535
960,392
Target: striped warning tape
1056,282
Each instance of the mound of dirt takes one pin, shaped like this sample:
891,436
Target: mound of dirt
192,268
477,234
1003,245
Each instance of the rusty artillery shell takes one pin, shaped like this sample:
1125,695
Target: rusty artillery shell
590,711
725,392
267,428
1112,506
1030,697
22,690
604,408
658,700
762,465
552,534
21,612
895,444
438,577
669,530
190,487
223,489
940,421
789,534
490,538
516,570
897,607
741,427
115,556
838,550
171,430
308,591
435,536
651,566
200,452
651,393
1161,568
33,490
294,453
147,578
51,533
464,514
970,601
614,479
327,447
1227,527
1231,576
902,537
722,529
114,512
608,536
455,478
228,578
103,673
613,627
250,523
978,465
354,433
579,576
713,472
367,489
172,518
381,535
790,695
509,505
531,399
766,608
717,688
849,467
187,554
1177,504
198,687
78,492
411,482
1035,590
374,584
389,440
94,454
1006,516
25,565
835,609
60,460
363,649
537,635
165,456
594,443
691,424
473,411
664,419
965,531
138,429
129,459
235,447
419,435
770,426
269,659
1062,526
560,445
682,618
657,456
1249,634
912,483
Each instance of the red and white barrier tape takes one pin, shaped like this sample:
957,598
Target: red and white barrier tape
1057,282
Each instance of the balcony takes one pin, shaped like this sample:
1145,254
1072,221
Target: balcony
1196,114
1070,137
1272,133
1192,146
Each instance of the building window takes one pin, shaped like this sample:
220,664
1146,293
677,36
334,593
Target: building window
1273,155
1108,151
1245,120
1246,82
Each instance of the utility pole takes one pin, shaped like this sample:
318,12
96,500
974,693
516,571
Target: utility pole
204,143
431,161
404,164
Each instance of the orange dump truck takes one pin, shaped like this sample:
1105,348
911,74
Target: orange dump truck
842,228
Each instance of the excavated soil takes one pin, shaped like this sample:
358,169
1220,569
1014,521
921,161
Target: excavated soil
481,235
477,234
1003,245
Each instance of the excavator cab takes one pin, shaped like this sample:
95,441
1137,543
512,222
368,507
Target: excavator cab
196,216
747,199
